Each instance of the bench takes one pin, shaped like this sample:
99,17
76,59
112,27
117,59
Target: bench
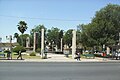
89,56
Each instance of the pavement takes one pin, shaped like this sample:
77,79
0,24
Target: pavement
59,71
61,58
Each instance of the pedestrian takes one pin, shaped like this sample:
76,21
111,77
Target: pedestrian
78,56
20,55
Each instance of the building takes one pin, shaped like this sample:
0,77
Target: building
5,46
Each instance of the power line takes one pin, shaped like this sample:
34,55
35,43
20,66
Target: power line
42,18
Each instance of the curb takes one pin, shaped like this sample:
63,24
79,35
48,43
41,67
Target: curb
82,61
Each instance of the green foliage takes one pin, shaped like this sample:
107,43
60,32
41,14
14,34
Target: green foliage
22,26
38,50
54,36
19,48
68,38
38,30
6,51
104,28
16,35
24,37
106,24
33,54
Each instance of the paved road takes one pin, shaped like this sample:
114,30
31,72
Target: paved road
59,71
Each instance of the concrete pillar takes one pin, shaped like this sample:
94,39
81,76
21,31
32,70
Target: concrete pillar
42,43
108,50
103,47
34,45
27,42
56,48
73,44
61,44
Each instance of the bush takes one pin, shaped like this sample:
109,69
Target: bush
18,48
38,50
6,51
33,54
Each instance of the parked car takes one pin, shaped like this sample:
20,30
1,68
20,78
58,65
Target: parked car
1,50
116,55
98,53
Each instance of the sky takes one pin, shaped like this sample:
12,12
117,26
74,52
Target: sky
63,14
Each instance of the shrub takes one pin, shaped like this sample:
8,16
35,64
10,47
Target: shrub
33,54
18,48
38,50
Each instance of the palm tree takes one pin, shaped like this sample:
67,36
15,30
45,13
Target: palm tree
22,27
16,35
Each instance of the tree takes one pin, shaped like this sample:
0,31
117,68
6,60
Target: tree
60,37
24,37
22,27
38,30
61,34
107,22
68,38
80,28
16,35
53,36
104,28
87,36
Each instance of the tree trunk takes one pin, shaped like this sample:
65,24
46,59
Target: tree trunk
22,39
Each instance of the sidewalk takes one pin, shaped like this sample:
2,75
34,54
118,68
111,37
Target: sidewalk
61,58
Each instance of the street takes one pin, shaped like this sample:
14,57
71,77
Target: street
59,71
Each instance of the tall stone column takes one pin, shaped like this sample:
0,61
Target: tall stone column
42,43
61,44
73,44
27,42
34,45
108,50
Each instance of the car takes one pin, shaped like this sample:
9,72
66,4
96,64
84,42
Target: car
116,55
1,50
98,53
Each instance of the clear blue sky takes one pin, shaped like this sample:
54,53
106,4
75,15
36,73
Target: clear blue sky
64,14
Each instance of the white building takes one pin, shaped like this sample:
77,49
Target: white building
5,46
